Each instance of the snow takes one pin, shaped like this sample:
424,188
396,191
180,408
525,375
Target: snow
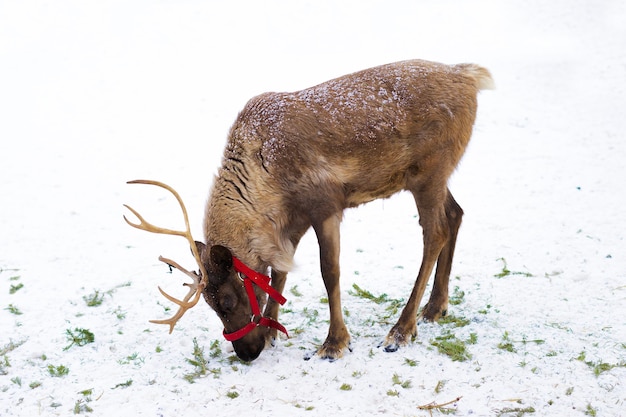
93,94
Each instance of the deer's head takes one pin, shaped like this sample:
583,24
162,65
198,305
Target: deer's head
235,292
226,293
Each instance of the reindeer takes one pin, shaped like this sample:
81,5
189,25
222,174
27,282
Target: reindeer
296,160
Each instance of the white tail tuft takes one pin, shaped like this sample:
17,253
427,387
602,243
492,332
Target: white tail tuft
481,76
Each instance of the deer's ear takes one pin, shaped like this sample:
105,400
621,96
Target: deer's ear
221,259
201,248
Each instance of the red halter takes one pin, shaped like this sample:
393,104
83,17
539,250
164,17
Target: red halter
250,277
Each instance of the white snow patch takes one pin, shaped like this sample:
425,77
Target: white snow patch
93,94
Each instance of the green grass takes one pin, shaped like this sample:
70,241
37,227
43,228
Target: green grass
215,350
11,346
305,408
4,358
457,297
454,321
367,295
82,404
439,387
448,344
201,364
397,380
119,313
15,288
4,364
123,384
94,299
295,292
506,343
507,272
58,371
13,310
517,411
133,358
198,361
590,411
599,367
78,337
392,305
411,362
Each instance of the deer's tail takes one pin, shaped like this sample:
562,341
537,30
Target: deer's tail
482,76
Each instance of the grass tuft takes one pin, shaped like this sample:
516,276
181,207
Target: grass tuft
13,310
396,380
124,384
94,299
599,367
507,343
78,337
58,371
517,411
507,272
457,297
198,361
449,345
392,307
15,288
454,320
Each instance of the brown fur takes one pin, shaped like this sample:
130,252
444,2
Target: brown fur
297,160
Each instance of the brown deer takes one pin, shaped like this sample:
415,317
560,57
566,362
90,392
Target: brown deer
297,160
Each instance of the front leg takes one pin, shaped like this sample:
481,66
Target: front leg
338,338
272,307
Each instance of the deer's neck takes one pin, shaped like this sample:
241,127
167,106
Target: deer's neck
243,216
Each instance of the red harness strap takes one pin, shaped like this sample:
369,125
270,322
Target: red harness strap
251,277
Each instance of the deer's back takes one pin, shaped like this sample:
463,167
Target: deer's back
361,134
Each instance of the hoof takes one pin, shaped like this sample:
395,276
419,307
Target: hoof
393,347
271,337
398,338
432,314
329,356
329,351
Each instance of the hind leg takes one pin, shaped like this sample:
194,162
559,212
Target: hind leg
437,305
432,211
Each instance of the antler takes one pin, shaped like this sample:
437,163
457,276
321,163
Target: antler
199,281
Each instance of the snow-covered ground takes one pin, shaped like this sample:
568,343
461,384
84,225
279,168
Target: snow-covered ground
93,94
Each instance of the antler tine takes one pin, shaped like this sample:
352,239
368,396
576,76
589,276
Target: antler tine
199,281
149,227
184,304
